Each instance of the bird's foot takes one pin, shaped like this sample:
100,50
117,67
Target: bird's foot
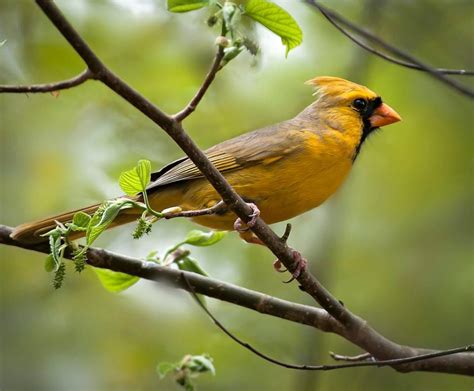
240,226
277,265
301,264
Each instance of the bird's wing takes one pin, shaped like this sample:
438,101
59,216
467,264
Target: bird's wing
265,146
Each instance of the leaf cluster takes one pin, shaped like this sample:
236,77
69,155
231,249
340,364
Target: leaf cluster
132,182
188,368
230,14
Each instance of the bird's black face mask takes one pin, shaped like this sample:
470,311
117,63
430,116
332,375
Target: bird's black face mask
366,110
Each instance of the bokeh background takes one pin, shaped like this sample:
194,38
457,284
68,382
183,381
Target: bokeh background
395,244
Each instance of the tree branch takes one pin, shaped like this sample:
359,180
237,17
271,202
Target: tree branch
409,61
354,360
404,358
50,87
191,106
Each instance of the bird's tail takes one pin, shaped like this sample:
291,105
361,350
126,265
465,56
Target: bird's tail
31,232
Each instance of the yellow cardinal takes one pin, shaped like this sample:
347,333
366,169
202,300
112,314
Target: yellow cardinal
284,169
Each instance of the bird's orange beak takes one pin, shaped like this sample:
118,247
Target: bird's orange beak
384,115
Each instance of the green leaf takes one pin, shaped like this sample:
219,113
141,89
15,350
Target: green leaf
144,172
201,364
200,238
277,20
250,45
191,265
231,14
110,213
81,219
104,216
153,257
115,281
185,5
163,368
55,246
230,53
136,180
49,264
130,182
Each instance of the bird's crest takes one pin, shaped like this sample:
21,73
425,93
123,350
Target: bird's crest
335,86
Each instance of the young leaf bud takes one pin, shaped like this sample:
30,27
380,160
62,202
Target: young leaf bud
212,20
222,41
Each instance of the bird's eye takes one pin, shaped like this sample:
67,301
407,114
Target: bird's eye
359,104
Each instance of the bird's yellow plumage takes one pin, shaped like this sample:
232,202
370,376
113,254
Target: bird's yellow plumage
285,169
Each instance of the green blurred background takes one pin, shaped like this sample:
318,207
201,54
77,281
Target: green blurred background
395,244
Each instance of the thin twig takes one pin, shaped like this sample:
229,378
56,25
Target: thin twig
49,87
220,207
323,367
191,106
440,74
445,71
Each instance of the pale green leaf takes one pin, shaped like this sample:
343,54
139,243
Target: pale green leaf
115,281
163,368
231,13
102,219
49,263
200,364
185,5
136,180
81,219
144,172
201,238
191,265
129,182
55,247
277,20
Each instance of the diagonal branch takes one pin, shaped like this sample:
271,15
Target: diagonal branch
97,67
408,60
402,358
50,87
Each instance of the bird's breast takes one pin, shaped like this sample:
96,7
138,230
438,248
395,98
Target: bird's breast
282,188
303,181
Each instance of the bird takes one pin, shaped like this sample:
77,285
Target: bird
281,170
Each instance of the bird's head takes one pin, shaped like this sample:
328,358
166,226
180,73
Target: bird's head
348,104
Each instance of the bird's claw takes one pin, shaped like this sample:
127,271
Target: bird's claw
277,266
301,264
240,226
